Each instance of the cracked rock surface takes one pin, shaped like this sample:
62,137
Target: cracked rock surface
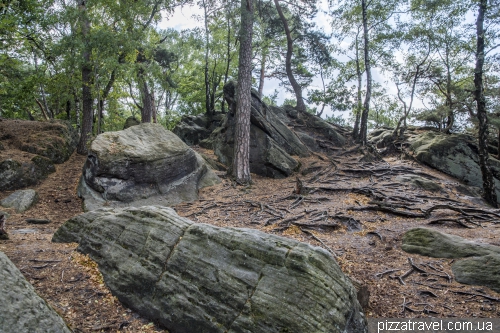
200,278
23,311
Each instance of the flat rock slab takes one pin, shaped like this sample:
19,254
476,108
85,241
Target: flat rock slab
23,311
20,200
481,265
200,278
142,165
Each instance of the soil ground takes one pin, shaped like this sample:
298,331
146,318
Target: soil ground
331,212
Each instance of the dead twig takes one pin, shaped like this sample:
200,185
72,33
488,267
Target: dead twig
319,240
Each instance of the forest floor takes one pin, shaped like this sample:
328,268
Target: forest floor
337,210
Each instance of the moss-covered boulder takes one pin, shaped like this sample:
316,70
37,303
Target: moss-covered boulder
481,263
30,150
453,154
23,311
193,277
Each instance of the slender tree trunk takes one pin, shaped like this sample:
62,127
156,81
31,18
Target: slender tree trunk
241,159
147,103
288,63
366,105
228,59
86,131
262,75
355,131
42,109
207,80
488,182
68,109
77,109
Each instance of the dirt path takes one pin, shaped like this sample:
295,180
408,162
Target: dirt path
334,215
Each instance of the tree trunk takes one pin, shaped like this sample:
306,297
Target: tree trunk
288,64
488,182
228,59
147,103
262,75
355,131
241,159
86,84
207,81
366,105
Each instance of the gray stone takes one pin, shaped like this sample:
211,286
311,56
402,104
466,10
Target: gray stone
144,164
200,278
15,175
20,200
419,182
481,265
481,271
272,143
432,243
23,311
194,129
455,155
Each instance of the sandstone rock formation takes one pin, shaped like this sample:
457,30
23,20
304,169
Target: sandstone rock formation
23,311
193,129
454,154
272,143
44,144
200,278
144,164
480,264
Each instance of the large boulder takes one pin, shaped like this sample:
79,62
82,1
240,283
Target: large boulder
481,263
144,164
23,311
193,129
455,155
272,143
29,150
200,278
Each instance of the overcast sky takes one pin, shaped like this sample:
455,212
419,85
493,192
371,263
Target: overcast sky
184,18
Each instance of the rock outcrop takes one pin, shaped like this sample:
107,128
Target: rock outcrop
193,129
453,154
20,200
23,311
43,143
480,264
200,278
144,164
272,143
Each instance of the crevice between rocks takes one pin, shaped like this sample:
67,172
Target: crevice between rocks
168,258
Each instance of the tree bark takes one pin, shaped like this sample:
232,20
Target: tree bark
207,81
363,132
228,59
488,181
241,159
355,131
87,101
147,102
288,63
262,75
